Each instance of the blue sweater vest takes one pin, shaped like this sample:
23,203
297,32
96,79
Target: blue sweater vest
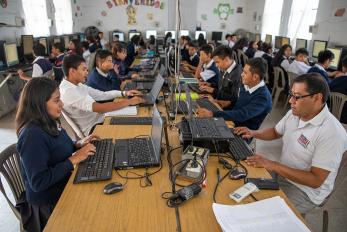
97,81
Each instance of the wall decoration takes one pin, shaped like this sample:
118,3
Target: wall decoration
162,5
340,12
223,10
131,12
109,4
156,4
150,16
204,17
104,13
223,26
239,10
78,8
3,3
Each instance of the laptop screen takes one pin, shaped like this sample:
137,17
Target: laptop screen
159,81
157,129
189,102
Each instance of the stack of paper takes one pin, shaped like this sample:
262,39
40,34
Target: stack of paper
126,111
272,214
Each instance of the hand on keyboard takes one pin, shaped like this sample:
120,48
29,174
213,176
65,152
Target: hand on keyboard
259,161
135,101
222,103
204,113
82,153
244,132
206,89
132,93
86,140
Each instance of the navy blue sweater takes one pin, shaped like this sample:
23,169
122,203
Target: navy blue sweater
98,81
131,54
215,79
195,61
339,85
250,109
324,74
45,165
44,64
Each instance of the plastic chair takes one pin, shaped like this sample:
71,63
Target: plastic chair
242,58
278,88
10,169
291,77
78,133
337,101
91,61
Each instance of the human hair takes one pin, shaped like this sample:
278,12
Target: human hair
192,44
301,51
71,61
258,66
101,55
90,39
39,50
344,62
78,46
266,47
152,40
325,55
135,39
85,45
315,83
100,32
223,52
279,55
241,43
118,47
32,106
201,40
59,46
207,49
169,34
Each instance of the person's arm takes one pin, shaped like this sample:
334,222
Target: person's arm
98,95
23,76
263,134
285,64
111,106
198,70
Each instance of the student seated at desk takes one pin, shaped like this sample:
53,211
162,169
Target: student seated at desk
119,53
58,54
252,48
100,38
207,70
80,100
313,144
227,90
132,50
240,46
324,60
93,45
281,58
300,64
104,76
41,65
75,47
184,40
201,40
86,52
254,101
230,40
48,154
193,61
267,55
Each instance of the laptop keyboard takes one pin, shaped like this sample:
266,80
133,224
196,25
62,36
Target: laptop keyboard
195,87
139,152
98,166
205,103
239,149
131,121
205,128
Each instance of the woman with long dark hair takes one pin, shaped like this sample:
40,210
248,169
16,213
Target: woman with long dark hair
281,58
48,154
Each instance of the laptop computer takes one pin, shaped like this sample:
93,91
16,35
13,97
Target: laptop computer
206,128
152,71
153,94
140,152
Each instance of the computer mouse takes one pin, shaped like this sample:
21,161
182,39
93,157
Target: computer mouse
237,174
114,187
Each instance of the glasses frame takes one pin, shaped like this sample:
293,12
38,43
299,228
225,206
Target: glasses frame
290,94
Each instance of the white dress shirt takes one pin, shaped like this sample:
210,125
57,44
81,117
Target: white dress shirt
298,67
37,70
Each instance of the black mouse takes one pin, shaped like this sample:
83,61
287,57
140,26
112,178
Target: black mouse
237,174
114,187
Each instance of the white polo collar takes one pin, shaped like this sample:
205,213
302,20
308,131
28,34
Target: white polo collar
254,88
192,57
320,67
101,72
317,120
231,67
206,66
38,58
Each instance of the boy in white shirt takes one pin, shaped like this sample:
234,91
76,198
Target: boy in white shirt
300,65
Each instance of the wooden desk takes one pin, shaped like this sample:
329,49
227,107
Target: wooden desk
84,207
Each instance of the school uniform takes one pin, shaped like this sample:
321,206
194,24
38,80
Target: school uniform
194,60
59,60
210,73
317,68
97,79
131,54
41,66
298,67
339,84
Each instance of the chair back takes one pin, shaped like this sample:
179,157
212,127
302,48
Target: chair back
291,77
279,78
337,101
78,132
242,58
91,61
58,74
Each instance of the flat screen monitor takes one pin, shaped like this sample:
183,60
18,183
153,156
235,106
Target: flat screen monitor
43,41
278,42
74,36
257,37
66,41
197,33
82,37
248,34
173,33
301,43
285,40
131,34
217,35
184,32
56,40
337,56
28,44
268,39
251,36
11,54
318,45
120,36
151,32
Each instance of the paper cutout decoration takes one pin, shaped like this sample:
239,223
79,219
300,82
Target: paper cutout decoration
204,17
156,4
109,4
78,8
239,10
104,13
340,12
3,3
131,12
223,10
150,16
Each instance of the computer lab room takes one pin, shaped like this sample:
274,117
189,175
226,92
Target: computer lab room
173,115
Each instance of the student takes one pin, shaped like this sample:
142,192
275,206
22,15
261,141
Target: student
80,100
131,50
93,45
281,58
47,153
324,60
313,144
119,53
227,90
232,40
201,40
240,46
252,48
86,52
339,84
75,47
254,101
103,77
267,49
227,40
184,40
167,40
193,61
300,65
102,41
41,65
58,54
260,50
151,43
207,70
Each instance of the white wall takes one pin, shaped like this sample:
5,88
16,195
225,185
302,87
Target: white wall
7,15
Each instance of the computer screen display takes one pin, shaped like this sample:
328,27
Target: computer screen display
285,40
184,32
173,33
82,37
11,54
268,39
56,40
28,44
151,32
131,34
257,37
318,46
251,36
197,33
157,130
74,36
43,41
120,36
66,41
278,42
301,43
337,56
217,35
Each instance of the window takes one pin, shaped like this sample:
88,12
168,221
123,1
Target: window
63,16
36,20
272,17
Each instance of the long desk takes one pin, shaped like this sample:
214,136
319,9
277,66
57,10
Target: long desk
84,207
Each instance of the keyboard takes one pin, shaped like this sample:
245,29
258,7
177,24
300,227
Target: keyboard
205,103
204,128
187,75
239,149
139,152
98,166
132,120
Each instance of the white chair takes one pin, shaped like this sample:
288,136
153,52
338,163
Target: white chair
75,128
337,101
91,61
278,88
291,77
242,58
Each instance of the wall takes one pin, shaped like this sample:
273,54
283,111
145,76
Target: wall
8,15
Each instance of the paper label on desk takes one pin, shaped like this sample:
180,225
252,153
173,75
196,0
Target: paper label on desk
126,111
271,214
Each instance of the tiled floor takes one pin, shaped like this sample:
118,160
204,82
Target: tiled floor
337,205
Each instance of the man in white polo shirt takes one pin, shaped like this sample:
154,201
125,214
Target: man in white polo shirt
313,144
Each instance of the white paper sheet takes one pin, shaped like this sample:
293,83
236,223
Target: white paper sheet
126,111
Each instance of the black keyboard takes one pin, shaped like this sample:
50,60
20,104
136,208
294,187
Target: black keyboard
239,149
204,128
132,120
187,75
205,103
196,88
98,166
139,152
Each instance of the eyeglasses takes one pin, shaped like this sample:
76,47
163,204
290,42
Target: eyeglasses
291,95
